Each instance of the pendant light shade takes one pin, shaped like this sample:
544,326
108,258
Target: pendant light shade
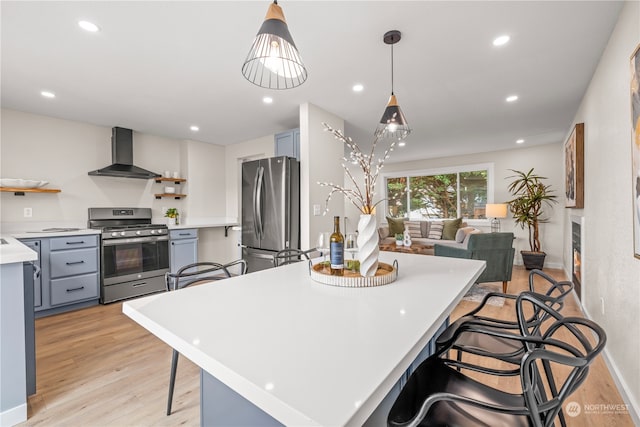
273,61
393,124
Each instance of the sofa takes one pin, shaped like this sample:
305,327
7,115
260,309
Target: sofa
453,232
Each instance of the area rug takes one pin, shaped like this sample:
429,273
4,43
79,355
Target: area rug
479,290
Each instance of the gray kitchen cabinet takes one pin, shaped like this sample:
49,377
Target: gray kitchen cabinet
288,144
69,273
183,248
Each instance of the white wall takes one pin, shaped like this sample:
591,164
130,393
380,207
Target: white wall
63,152
320,161
611,274
545,159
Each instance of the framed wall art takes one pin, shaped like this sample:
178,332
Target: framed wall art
635,147
574,168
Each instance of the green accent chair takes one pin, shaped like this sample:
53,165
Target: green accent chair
494,248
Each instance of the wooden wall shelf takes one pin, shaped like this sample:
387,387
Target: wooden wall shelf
176,180
21,191
174,195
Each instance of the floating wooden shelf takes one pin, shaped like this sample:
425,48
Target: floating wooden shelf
21,191
176,180
174,195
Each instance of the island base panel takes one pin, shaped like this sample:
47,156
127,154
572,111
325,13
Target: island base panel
222,406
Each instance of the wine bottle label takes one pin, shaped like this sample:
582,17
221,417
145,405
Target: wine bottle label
337,255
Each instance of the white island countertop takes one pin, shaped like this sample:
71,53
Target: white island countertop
304,352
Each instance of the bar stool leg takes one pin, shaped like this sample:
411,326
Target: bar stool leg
172,379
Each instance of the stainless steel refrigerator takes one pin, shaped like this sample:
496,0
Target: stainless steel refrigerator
270,209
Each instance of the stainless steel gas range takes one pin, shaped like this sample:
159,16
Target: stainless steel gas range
134,252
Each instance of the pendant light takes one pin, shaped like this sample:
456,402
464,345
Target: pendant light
393,124
273,61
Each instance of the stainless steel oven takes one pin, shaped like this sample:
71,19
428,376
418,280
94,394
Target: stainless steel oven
134,252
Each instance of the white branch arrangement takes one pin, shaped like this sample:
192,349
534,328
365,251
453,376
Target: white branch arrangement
361,197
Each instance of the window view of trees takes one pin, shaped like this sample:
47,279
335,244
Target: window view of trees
452,195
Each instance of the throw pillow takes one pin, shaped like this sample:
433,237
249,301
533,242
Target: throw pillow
383,231
462,233
450,228
424,228
396,225
414,229
435,230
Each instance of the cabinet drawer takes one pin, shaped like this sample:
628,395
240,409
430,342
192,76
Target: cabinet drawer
72,289
73,242
69,263
183,234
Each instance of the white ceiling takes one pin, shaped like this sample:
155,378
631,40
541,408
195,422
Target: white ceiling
159,67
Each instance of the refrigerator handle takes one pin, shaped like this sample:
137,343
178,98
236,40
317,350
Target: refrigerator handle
255,204
259,201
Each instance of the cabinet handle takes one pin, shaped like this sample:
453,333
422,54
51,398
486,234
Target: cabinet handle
75,262
76,243
140,284
184,234
75,289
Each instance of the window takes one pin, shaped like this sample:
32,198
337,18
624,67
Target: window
446,193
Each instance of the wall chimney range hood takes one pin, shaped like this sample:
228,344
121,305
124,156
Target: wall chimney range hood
122,158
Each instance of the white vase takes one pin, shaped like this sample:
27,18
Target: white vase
368,245
171,221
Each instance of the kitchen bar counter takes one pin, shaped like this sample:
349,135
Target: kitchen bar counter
303,352
13,353
12,251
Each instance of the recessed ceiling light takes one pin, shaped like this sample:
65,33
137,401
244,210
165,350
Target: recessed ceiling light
520,141
358,88
48,94
88,26
512,98
267,100
401,144
501,40
194,128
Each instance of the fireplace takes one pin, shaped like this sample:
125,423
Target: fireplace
576,250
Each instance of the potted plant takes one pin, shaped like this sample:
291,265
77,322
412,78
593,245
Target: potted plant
172,214
399,239
530,195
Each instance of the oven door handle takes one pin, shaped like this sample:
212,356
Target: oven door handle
113,242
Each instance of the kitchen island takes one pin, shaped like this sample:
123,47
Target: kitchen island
282,349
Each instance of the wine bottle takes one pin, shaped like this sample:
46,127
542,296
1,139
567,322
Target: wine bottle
336,249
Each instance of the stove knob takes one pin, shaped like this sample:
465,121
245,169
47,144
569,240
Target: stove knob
153,231
138,232
122,233
114,234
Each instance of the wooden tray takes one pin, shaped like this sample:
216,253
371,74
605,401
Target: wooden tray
386,274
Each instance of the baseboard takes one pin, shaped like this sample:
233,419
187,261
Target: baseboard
13,416
621,384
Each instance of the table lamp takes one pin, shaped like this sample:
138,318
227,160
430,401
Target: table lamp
495,211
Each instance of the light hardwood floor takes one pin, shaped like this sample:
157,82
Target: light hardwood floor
96,367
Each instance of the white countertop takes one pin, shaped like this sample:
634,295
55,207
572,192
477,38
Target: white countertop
14,251
304,352
205,223
40,233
